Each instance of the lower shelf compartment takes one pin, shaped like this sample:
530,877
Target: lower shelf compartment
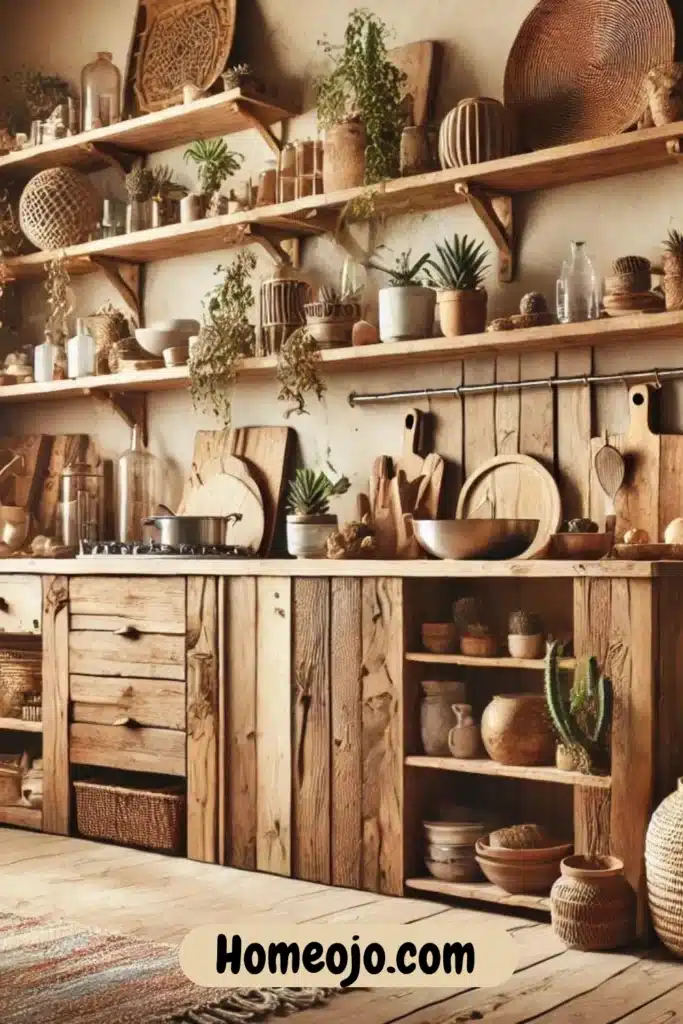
22,817
483,891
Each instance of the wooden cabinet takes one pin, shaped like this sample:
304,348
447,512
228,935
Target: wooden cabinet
128,748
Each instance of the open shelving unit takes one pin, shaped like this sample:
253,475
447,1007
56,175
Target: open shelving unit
485,766
483,891
19,725
536,664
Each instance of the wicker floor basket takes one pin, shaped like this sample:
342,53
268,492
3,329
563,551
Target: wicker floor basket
152,820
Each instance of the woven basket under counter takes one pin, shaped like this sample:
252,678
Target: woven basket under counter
149,819
20,678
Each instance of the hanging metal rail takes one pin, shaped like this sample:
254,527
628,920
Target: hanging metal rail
656,377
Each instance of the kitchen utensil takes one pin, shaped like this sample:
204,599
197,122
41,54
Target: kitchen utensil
82,503
610,470
514,486
411,462
223,492
581,546
520,877
229,464
551,851
475,538
577,67
403,500
155,339
202,531
382,511
23,485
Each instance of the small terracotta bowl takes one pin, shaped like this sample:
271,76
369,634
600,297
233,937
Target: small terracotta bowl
439,637
478,646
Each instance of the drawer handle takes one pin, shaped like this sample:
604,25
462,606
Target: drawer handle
126,720
4,605
130,632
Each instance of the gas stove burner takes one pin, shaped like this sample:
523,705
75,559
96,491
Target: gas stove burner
134,548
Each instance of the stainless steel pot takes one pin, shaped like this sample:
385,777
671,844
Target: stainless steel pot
199,531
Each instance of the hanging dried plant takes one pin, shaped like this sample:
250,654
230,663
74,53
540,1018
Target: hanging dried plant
11,237
140,184
58,300
297,371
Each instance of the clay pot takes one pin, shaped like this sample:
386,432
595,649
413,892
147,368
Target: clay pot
673,291
521,646
462,312
478,646
307,535
520,877
331,323
436,714
664,86
416,152
464,739
516,730
664,870
592,905
344,156
476,130
439,637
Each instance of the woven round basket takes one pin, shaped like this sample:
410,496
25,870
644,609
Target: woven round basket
592,905
577,67
58,208
664,870
20,677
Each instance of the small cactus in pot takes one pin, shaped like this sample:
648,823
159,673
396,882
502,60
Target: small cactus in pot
580,714
525,635
309,523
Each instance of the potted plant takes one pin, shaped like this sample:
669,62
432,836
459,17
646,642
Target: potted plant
580,715
360,106
673,270
330,318
140,184
216,163
459,275
406,307
525,635
309,522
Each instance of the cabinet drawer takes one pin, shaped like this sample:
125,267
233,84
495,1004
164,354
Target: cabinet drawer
150,605
143,750
105,701
140,656
21,604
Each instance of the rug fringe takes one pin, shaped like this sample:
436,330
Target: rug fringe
246,1005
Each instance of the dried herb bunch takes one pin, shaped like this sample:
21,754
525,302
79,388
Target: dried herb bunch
215,162
297,371
225,338
365,86
27,96
11,237
140,184
58,300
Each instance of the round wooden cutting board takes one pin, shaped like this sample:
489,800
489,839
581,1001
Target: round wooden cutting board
514,487
222,495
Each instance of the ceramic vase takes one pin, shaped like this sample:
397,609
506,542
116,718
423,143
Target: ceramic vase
664,870
516,730
592,905
436,714
344,156
475,130
307,535
464,739
524,647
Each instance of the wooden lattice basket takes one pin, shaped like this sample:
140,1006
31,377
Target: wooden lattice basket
58,208
150,819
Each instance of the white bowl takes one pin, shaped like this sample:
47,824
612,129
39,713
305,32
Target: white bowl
187,327
154,340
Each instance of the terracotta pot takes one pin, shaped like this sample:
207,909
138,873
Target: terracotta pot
462,312
439,637
526,646
592,905
478,646
307,535
436,714
673,291
664,870
344,156
464,739
664,85
520,877
331,323
475,130
417,150
516,730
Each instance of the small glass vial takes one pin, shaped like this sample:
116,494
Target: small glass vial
44,360
141,489
287,174
81,352
101,93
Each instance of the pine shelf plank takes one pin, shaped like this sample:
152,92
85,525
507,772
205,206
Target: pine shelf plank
21,817
485,766
537,664
19,725
483,891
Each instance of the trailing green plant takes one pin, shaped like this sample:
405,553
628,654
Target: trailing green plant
297,370
58,300
403,273
215,162
310,493
580,713
364,85
225,338
140,184
521,623
461,265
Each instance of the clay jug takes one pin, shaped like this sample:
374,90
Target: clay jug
464,739
436,714
592,904
344,156
516,730
664,870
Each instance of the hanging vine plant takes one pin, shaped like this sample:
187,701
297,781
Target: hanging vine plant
297,371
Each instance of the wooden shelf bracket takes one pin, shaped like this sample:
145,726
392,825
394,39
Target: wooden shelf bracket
279,245
249,115
496,214
121,159
131,407
127,280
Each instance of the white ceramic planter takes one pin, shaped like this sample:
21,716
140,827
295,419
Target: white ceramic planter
307,535
521,646
406,313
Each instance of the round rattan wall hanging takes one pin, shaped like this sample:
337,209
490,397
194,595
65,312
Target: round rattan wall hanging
59,207
577,67
186,43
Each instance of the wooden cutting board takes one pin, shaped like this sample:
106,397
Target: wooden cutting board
23,483
425,472
419,62
652,492
223,495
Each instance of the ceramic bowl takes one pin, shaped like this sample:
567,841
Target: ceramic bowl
187,327
521,877
530,855
454,833
584,546
488,539
454,869
176,356
155,340
439,637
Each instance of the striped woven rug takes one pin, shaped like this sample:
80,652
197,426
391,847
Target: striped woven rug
56,972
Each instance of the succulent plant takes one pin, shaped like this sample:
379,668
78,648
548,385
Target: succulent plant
215,161
310,493
631,265
580,526
403,273
521,623
467,610
674,243
461,265
580,715
235,76
533,302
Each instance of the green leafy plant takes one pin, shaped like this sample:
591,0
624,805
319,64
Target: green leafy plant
365,86
580,713
403,273
461,265
580,526
215,162
310,493
297,370
225,338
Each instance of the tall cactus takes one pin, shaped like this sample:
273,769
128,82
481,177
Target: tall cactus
581,719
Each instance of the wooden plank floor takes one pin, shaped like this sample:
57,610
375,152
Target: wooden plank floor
161,899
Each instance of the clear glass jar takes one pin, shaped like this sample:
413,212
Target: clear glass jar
81,504
141,489
266,193
578,288
81,352
100,93
44,360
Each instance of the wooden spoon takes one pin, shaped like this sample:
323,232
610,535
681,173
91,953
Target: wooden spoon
610,470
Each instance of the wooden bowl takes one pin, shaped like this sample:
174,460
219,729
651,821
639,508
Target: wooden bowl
478,646
475,538
582,546
439,637
520,877
526,855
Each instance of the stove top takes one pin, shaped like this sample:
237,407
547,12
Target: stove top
90,549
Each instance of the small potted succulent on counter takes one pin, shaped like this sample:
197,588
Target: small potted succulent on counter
525,635
458,275
406,306
309,522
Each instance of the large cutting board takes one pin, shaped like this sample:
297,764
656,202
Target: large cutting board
652,493
420,64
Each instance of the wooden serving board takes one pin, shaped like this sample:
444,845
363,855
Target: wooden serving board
223,495
649,552
419,63
652,492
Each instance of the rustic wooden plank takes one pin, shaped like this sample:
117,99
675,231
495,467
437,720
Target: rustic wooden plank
507,406
274,743
240,658
56,801
664,1010
150,605
143,750
382,736
485,766
311,731
573,432
346,700
151,702
537,410
202,719
592,821
147,656
483,892
480,432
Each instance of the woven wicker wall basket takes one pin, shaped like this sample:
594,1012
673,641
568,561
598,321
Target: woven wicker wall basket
184,43
577,67
59,207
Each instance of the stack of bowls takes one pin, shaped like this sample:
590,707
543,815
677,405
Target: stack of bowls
449,849
169,340
521,871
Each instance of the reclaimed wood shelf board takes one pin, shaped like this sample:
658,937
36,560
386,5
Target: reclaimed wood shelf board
21,817
538,664
483,891
19,725
485,766
223,114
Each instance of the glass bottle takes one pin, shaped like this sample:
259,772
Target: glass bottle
81,504
578,288
100,93
44,360
81,352
141,485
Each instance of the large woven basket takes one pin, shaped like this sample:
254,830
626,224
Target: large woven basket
58,208
577,67
664,870
20,678
150,819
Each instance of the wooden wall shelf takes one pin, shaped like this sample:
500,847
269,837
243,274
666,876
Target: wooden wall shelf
483,891
21,817
485,766
536,664
19,725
